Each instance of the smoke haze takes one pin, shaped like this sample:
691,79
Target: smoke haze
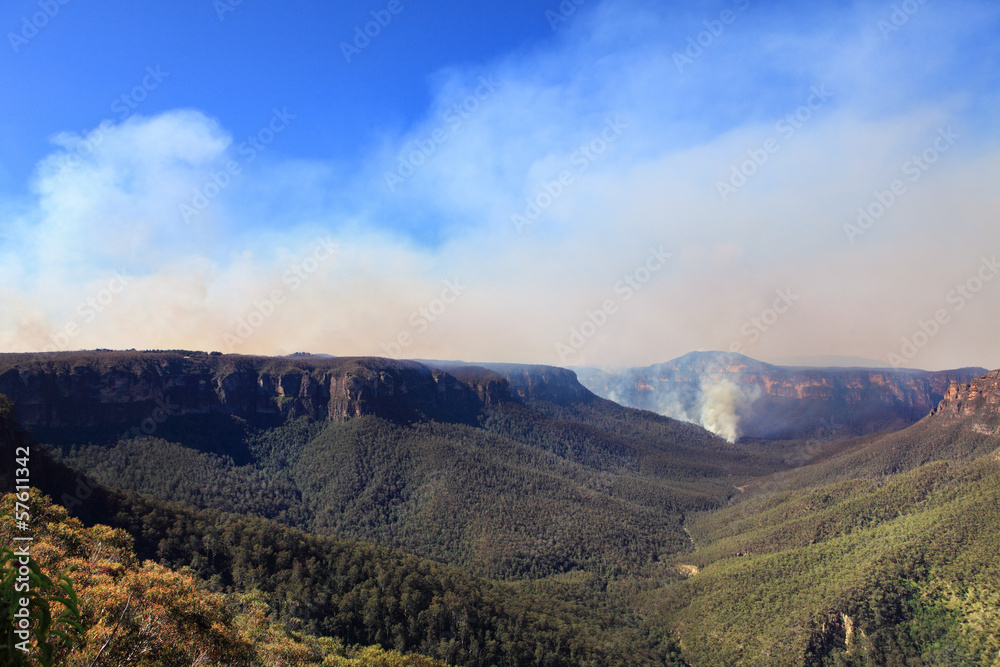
323,255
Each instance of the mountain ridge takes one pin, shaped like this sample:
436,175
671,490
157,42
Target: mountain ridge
769,401
93,389
55,390
884,553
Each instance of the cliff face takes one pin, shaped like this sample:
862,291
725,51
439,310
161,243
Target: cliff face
781,401
543,383
729,394
72,390
978,398
105,389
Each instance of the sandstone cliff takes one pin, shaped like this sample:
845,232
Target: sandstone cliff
771,401
77,389
979,398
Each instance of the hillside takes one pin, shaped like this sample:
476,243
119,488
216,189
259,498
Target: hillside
504,514
734,395
354,592
130,610
513,472
894,563
963,426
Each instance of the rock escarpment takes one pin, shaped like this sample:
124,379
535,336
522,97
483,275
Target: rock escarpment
782,401
979,397
60,390
107,389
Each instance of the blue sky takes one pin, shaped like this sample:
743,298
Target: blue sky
533,156
236,68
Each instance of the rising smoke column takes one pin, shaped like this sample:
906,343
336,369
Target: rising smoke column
709,394
720,404
717,404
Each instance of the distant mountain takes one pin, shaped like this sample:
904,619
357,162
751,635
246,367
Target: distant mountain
735,396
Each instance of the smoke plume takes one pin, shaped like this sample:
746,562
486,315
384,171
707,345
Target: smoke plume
721,403
710,399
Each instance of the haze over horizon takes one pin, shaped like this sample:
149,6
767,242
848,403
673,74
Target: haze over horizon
618,184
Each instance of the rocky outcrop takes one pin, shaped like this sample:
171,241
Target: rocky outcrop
489,386
979,397
61,390
543,383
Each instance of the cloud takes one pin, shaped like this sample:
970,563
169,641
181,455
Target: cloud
501,136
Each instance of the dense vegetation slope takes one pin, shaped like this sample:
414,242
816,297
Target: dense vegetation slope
353,591
893,563
543,478
528,522
134,612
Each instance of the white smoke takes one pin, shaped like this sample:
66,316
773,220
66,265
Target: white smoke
720,404
717,405
671,405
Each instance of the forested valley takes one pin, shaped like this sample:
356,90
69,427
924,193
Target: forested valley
551,528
